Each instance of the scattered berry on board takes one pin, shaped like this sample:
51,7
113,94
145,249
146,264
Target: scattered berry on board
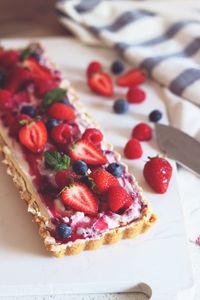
132,77
94,67
142,132
135,95
101,83
117,67
133,149
155,116
120,106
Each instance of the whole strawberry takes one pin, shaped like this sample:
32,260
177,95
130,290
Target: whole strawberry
157,173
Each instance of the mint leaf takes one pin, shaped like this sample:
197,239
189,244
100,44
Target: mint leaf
56,161
52,96
23,122
26,53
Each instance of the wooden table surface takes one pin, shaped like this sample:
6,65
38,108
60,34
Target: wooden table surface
29,18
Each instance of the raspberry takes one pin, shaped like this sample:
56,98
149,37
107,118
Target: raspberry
142,132
133,149
135,95
94,67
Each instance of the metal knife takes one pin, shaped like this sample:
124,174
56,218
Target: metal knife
179,146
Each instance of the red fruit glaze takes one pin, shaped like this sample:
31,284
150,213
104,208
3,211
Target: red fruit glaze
103,180
33,136
38,70
15,126
135,95
61,112
5,99
142,132
43,86
157,173
132,77
61,134
93,135
101,83
93,67
17,78
118,198
79,197
64,178
83,150
9,58
133,149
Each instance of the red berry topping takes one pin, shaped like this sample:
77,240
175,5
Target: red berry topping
118,198
18,123
83,150
101,83
9,58
135,95
93,135
61,112
64,178
38,70
43,86
61,134
132,77
94,67
100,224
79,197
33,136
17,78
5,99
142,132
157,173
103,180
133,149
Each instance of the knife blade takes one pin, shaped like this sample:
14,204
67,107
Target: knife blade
179,146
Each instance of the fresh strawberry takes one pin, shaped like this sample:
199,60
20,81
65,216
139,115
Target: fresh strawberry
9,58
103,180
83,150
101,83
61,134
94,67
61,112
38,70
43,86
157,173
142,132
93,135
33,136
79,197
132,77
64,178
133,149
5,99
118,198
17,78
135,95
18,123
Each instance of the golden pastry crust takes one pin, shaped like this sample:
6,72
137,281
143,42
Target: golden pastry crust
23,184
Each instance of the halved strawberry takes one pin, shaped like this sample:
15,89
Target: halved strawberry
103,180
61,112
38,70
132,77
118,198
17,78
79,197
101,83
33,136
83,150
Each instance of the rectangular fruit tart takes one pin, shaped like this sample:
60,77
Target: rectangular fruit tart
79,193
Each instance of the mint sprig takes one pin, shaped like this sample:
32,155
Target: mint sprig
57,161
26,53
52,96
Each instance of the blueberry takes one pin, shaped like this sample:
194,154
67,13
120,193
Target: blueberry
29,110
117,67
121,106
36,56
155,116
63,231
86,181
65,101
115,169
80,167
51,123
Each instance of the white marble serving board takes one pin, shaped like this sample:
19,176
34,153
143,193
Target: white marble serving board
158,258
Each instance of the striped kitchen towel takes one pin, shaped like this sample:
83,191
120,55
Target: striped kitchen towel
162,37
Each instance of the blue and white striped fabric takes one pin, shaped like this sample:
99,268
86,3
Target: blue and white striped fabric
162,38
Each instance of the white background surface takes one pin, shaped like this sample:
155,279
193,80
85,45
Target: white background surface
119,137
